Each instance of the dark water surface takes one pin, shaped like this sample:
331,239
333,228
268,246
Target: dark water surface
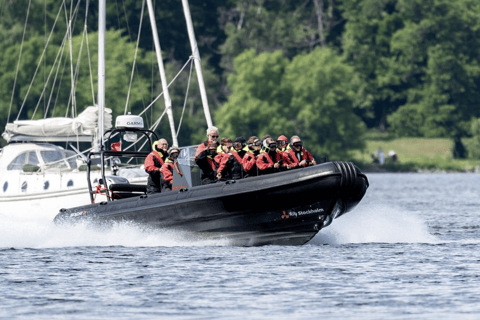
409,251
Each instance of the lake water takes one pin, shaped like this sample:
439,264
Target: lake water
410,250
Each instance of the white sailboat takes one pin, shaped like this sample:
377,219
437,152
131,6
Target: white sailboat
35,173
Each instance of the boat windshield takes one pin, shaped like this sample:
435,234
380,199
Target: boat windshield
54,159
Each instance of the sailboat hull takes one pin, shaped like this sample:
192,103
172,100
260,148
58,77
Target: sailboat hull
286,208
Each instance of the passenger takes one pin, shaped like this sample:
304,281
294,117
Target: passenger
223,148
264,142
167,168
153,163
299,156
231,166
207,164
270,161
250,158
282,143
212,137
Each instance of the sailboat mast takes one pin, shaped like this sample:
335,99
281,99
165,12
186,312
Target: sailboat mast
196,59
166,94
101,70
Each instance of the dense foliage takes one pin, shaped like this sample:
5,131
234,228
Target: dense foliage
323,69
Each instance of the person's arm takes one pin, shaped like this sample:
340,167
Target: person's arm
262,164
248,161
150,164
167,174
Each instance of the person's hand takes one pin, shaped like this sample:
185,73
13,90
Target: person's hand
303,163
219,175
276,165
314,162
288,167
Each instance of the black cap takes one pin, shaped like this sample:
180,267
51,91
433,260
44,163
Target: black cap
240,139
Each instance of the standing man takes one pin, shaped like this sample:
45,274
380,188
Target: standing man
153,163
269,160
212,137
298,155
167,168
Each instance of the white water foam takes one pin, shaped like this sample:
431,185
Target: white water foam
375,224
35,229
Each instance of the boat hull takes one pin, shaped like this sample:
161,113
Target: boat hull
286,208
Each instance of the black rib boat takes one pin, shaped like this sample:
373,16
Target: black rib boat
284,208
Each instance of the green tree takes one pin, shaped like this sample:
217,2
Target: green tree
437,50
312,96
322,103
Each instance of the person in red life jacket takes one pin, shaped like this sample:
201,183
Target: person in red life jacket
231,166
161,146
153,163
250,158
207,164
212,137
282,143
298,155
168,167
270,161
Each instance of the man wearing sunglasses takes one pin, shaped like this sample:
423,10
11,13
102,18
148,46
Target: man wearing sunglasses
298,155
167,168
270,161
231,166
250,158
153,163
212,137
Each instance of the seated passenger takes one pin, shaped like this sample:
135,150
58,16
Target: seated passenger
167,168
282,143
153,164
212,137
299,156
231,166
207,164
270,161
250,158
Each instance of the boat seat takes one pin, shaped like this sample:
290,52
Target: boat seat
126,187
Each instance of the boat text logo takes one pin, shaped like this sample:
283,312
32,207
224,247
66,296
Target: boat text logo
305,212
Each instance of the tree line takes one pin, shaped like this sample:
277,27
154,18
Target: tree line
327,70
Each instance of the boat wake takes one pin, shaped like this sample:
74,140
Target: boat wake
376,224
38,231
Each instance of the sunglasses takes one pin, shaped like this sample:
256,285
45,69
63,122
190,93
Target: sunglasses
281,143
297,144
214,136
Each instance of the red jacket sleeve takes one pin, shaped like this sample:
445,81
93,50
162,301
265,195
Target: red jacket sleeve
308,156
167,174
223,162
219,157
262,163
248,161
150,163
200,148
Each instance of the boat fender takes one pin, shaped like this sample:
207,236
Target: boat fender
183,189
103,203
143,196
230,181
